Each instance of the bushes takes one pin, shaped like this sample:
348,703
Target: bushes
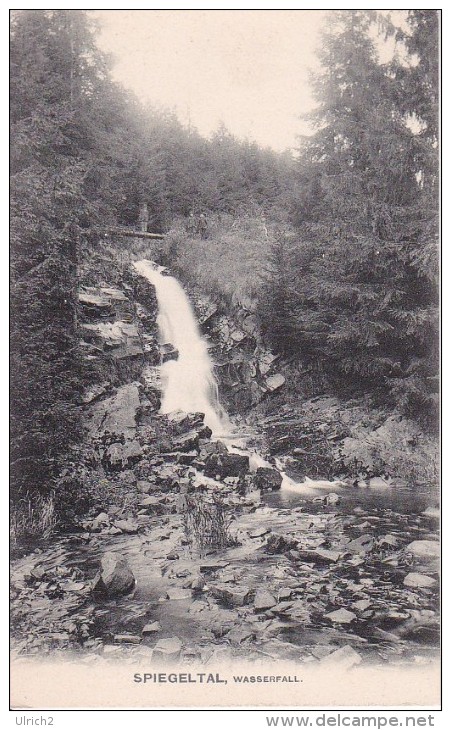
206,522
229,263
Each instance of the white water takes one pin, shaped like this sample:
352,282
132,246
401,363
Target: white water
188,382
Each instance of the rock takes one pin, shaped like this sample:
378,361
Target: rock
186,458
285,594
187,442
152,628
232,596
127,526
328,556
319,556
198,583
267,478
331,499
239,634
168,649
119,455
226,465
150,502
363,544
101,519
418,580
265,361
114,531
213,447
127,639
361,605
213,565
168,352
274,382
264,600
116,415
173,555
277,544
389,540
178,594
144,486
428,549
260,532
94,301
432,512
341,616
94,392
183,421
120,338
116,577
346,657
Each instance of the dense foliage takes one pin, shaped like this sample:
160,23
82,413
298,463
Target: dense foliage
356,288
336,248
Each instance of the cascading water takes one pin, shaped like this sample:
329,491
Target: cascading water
188,382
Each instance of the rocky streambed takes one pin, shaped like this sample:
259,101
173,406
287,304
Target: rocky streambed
325,576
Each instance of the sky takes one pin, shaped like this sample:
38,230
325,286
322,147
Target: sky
246,68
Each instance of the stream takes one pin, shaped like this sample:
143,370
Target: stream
312,569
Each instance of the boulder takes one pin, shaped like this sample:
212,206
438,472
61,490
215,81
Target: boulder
187,442
428,549
264,600
168,649
127,639
127,526
341,616
346,657
274,382
418,580
116,415
267,478
278,544
116,577
121,339
226,465
233,597
168,352
213,447
118,455
151,628
183,422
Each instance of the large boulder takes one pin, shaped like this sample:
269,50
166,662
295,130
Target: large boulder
427,549
121,339
267,478
116,577
226,465
116,415
183,422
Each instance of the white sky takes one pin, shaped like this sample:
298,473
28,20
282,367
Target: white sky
248,68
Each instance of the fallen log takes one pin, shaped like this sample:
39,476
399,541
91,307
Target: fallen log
134,234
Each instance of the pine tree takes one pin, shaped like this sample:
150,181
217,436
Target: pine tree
362,182
54,71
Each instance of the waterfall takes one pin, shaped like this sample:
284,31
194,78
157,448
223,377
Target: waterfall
188,382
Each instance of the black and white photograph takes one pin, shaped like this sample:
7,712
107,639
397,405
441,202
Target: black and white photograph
224,358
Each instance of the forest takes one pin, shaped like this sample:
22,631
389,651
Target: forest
334,247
